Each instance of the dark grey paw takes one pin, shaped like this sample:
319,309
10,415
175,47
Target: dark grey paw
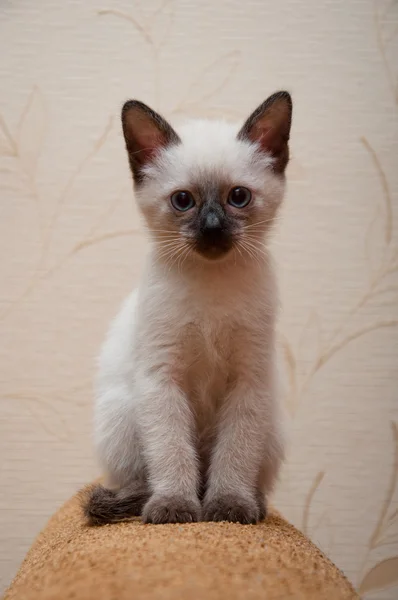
171,509
233,509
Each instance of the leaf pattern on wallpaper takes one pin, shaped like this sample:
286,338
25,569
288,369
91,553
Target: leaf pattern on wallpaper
381,251
24,148
384,533
386,195
48,407
31,131
20,152
211,80
309,499
45,411
310,526
374,235
26,156
291,371
385,14
161,23
7,143
130,19
383,525
383,575
68,192
154,30
381,283
343,335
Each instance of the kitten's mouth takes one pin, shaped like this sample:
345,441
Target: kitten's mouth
213,251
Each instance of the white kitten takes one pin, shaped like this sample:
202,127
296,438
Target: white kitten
187,419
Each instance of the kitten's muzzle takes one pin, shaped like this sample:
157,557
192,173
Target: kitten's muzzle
214,238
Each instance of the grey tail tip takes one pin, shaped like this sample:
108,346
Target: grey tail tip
102,505
98,504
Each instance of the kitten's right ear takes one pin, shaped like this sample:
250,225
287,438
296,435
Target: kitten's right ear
145,133
269,128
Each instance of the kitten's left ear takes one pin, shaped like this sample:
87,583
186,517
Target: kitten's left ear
145,133
269,126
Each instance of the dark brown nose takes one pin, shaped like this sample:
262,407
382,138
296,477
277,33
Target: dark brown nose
214,237
211,227
212,221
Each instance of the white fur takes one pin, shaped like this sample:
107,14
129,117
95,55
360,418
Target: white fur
187,372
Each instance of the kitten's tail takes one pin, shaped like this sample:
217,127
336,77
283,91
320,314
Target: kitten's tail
102,505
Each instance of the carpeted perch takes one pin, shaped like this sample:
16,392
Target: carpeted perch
199,561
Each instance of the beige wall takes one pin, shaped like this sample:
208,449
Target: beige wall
71,245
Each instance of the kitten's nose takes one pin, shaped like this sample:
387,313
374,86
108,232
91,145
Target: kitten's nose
214,237
211,222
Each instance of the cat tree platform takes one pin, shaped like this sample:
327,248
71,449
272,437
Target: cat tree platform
200,561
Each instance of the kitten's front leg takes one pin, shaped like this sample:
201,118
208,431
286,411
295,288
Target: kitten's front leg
166,429
248,443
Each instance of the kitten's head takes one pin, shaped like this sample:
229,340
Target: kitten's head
210,188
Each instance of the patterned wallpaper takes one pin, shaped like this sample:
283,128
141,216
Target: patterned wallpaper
72,245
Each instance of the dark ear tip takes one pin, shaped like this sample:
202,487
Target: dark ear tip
130,104
282,95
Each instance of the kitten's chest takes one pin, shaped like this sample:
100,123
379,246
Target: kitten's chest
207,352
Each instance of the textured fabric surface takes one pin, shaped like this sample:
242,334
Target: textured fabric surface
72,245
212,561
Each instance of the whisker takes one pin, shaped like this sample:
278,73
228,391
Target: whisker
167,238
248,250
255,250
255,238
167,251
162,231
174,256
181,254
257,223
165,243
185,255
258,247
238,249
170,245
258,243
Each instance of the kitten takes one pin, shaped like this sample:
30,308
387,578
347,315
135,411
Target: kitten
187,420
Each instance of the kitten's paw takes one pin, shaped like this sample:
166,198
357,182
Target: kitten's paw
231,508
171,509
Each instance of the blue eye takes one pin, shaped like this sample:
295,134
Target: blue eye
182,201
239,197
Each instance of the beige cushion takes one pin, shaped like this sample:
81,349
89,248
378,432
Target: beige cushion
207,561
